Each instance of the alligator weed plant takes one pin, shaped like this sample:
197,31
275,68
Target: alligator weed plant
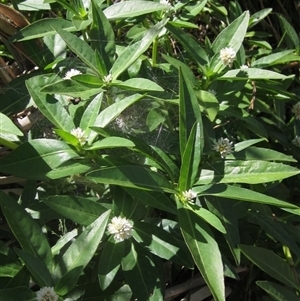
164,162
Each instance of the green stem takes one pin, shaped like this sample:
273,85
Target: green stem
154,52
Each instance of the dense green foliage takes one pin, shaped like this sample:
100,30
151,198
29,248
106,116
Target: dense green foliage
166,147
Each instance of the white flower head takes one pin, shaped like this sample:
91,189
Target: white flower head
71,73
212,91
224,147
227,56
120,228
244,67
189,194
79,134
165,2
296,110
296,141
107,78
46,294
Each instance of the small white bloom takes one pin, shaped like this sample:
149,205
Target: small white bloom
227,56
107,78
46,294
296,110
296,141
212,91
120,228
71,73
244,67
79,134
189,195
224,146
165,2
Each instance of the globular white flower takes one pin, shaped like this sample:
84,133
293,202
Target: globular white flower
227,56
120,228
46,294
244,67
296,141
71,73
79,134
165,2
296,110
107,78
189,194
212,91
224,147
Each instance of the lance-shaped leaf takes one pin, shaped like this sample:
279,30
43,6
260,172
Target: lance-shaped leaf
50,107
249,172
26,230
112,112
78,209
271,264
204,250
110,262
134,51
37,158
141,274
242,194
102,39
139,84
80,48
71,264
161,243
37,268
132,9
13,294
190,45
131,176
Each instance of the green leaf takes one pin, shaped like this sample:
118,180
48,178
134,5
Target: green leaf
8,127
50,107
37,268
78,255
130,9
27,231
80,48
191,159
90,114
42,28
110,262
141,274
209,103
204,250
9,266
271,264
242,194
139,84
259,16
251,74
13,294
250,172
78,209
111,142
131,176
268,60
277,292
244,144
192,46
289,33
233,35
276,230
154,199
37,158
209,217
225,210
102,38
74,88
260,154
161,243
189,113
132,52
